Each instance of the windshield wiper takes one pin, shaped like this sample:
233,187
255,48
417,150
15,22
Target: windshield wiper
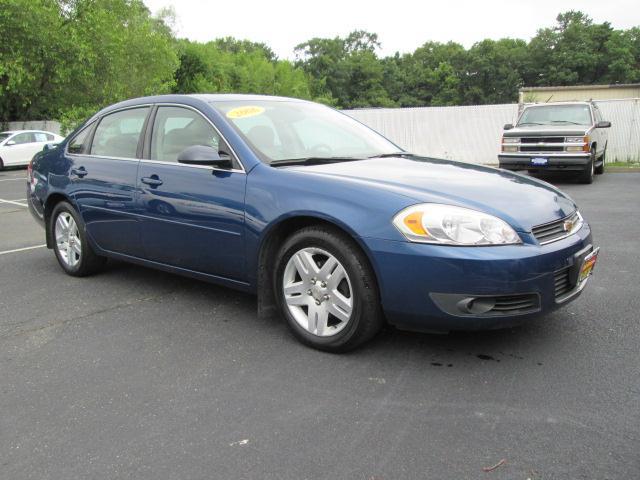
312,161
529,123
566,121
394,154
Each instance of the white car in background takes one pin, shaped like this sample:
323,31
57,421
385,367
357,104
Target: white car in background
17,147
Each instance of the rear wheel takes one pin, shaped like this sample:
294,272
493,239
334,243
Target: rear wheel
74,254
326,290
589,170
1,165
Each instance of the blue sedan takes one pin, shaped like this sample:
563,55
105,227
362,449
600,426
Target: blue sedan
329,223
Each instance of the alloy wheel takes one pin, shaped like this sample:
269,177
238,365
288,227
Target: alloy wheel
317,291
68,241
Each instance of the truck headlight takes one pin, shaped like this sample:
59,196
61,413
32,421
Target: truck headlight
451,225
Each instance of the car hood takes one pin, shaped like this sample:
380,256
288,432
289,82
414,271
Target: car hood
547,130
522,201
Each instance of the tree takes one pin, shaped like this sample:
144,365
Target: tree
67,58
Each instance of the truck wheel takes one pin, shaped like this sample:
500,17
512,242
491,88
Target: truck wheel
589,169
599,170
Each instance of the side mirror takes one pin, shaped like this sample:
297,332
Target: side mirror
49,146
603,124
203,155
10,143
508,126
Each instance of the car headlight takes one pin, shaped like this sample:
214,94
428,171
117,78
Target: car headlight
451,225
574,139
510,140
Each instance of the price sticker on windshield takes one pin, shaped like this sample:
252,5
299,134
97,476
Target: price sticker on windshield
245,112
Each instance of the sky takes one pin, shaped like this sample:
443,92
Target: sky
401,25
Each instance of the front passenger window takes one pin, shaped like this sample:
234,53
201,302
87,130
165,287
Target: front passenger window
23,138
177,128
118,134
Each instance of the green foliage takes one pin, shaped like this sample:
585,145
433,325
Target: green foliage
59,57
227,65
65,59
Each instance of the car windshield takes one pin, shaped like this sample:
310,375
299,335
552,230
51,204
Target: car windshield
282,131
4,136
556,115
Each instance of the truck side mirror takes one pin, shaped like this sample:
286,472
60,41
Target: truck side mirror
508,126
603,124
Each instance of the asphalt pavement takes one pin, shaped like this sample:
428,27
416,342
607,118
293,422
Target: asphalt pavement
139,374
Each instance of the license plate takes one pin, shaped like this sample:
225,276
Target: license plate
587,265
539,161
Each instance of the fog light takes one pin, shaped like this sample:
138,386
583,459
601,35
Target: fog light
509,148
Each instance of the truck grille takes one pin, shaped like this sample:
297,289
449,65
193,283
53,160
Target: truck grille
562,282
530,144
542,149
548,232
542,139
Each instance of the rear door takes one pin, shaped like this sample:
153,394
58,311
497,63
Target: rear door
192,216
104,165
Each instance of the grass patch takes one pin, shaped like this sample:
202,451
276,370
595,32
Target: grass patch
624,164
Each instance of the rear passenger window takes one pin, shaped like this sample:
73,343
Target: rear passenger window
40,137
80,143
117,134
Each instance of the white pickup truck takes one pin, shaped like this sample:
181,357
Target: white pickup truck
563,136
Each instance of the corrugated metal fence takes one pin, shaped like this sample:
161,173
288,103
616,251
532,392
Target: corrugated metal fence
48,125
472,133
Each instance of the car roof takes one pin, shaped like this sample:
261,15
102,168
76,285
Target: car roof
13,132
548,104
190,99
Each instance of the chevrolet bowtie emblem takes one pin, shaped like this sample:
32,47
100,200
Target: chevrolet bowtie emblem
568,225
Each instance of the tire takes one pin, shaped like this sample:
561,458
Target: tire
599,170
334,309
589,170
68,231
1,165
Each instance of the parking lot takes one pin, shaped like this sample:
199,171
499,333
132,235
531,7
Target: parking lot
140,374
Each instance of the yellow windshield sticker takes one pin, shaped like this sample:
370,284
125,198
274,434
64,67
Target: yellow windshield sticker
245,112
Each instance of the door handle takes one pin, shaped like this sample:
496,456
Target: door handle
153,181
79,172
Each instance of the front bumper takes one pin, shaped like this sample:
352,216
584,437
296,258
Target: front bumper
556,162
415,278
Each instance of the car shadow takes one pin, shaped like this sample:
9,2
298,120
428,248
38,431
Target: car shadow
437,350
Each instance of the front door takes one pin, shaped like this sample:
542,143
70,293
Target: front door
103,174
192,216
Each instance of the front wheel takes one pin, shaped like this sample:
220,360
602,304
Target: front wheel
74,254
589,170
326,290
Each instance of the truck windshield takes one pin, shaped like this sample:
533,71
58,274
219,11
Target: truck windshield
556,115
279,130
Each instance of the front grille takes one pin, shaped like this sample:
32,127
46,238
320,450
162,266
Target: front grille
562,282
542,139
511,304
530,144
548,232
542,149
